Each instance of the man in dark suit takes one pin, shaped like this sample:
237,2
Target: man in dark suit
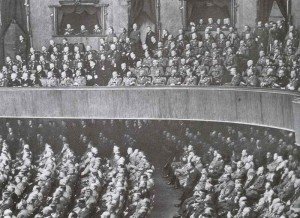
92,75
135,38
104,70
149,34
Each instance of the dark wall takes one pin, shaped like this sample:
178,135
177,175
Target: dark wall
255,106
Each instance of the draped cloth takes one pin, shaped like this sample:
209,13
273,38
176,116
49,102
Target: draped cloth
80,12
13,10
282,4
142,7
265,8
205,9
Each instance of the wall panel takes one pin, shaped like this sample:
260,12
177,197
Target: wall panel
250,106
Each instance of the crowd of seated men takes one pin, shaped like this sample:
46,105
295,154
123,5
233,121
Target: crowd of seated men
42,180
69,31
234,173
265,56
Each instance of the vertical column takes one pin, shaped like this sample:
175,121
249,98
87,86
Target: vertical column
129,15
158,20
27,8
246,13
183,9
296,114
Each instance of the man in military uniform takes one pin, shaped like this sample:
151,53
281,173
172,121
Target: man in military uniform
282,79
51,80
83,31
230,60
21,47
149,35
154,68
69,30
92,74
135,38
190,79
217,73
136,71
162,61
65,80
236,77
158,79
129,80
204,78
143,79
182,68
79,80
147,60
250,79
294,83
115,80
174,79
169,69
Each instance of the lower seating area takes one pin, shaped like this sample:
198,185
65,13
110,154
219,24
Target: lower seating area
59,183
234,173
114,168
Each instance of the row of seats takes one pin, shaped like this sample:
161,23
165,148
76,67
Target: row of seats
234,173
264,57
53,181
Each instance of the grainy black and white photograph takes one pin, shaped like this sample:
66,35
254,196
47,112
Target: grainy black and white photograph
149,108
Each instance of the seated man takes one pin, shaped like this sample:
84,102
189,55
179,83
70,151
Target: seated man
3,80
154,68
34,82
217,73
158,80
83,31
250,80
115,80
204,79
257,188
65,80
269,80
25,81
129,80
294,82
97,29
69,30
13,81
51,81
79,80
173,79
143,79
236,77
190,79
282,80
